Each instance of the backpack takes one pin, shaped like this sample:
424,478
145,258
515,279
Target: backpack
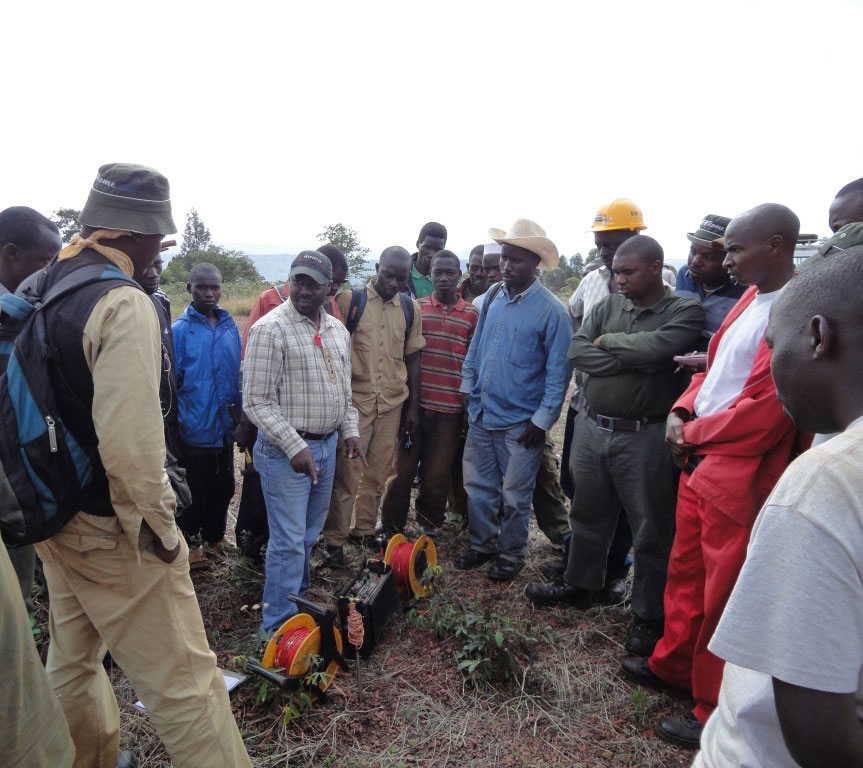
358,306
45,467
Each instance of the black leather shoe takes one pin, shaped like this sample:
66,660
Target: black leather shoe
644,635
559,592
612,593
684,731
553,570
505,570
636,669
332,557
473,559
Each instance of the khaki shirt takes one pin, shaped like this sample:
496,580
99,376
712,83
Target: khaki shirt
378,349
123,350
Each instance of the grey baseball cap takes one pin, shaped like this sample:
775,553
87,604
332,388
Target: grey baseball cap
314,264
131,197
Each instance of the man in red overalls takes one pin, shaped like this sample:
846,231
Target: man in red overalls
732,439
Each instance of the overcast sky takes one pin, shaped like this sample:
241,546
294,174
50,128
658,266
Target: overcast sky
274,119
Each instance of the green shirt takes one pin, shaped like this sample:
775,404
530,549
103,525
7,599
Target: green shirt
632,374
422,283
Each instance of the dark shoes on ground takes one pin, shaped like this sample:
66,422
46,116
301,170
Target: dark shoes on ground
473,559
559,592
613,593
684,731
637,670
643,636
505,570
332,557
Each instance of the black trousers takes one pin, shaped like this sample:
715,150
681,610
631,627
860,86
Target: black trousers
252,529
616,567
211,480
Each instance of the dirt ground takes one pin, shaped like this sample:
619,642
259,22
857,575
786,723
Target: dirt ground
566,704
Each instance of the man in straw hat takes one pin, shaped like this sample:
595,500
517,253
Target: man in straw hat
118,572
514,380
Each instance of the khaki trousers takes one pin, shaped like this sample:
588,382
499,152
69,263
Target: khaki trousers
147,614
33,731
379,436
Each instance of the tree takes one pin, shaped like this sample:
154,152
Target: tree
557,277
348,240
591,257
196,237
235,266
66,220
577,264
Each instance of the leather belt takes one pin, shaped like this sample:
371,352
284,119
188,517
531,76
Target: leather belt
315,435
614,424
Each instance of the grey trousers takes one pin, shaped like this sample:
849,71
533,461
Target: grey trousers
611,470
24,562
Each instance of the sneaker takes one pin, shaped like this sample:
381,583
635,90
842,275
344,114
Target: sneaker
684,731
643,636
332,557
197,559
559,592
473,559
505,570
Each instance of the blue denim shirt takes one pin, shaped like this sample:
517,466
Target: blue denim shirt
516,368
716,305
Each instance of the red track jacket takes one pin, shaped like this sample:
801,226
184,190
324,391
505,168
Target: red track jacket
748,445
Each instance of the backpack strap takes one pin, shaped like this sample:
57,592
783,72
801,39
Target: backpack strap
408,309
492,294
78,278
356,309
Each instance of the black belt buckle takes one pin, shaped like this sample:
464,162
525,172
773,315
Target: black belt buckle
605,423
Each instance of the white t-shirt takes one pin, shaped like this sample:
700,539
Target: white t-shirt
796,612
733,362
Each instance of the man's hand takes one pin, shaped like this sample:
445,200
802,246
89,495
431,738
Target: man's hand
680,449
245,433
597,342
410,420
304,464
532,436
465,399
165,555
353,450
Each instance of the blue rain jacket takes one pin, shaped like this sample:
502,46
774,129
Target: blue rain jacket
208,377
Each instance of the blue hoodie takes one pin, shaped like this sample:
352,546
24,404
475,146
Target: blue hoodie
208,376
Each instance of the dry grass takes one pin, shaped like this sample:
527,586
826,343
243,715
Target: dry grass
237,298
567,707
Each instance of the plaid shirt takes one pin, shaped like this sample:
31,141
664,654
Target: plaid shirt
291,382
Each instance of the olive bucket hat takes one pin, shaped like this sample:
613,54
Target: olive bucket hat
130,197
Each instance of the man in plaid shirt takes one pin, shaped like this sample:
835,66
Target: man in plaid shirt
297,391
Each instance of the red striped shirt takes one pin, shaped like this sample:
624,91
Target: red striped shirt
447,335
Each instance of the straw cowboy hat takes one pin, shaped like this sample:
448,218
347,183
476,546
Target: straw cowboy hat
529,235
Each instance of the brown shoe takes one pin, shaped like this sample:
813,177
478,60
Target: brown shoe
197,559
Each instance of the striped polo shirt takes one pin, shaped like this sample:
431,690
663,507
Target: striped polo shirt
447,335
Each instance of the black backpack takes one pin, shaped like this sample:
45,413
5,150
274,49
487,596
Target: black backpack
359,296
45,467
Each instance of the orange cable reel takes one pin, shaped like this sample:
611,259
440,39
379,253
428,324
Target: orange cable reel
294,644
409,561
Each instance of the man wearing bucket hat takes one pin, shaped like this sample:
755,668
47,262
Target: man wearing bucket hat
705,279
514,380
297,391
118,571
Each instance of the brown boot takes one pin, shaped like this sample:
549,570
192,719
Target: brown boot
197,559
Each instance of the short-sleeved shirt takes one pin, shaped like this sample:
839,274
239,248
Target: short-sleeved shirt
422,283
796,612
447,334
378,351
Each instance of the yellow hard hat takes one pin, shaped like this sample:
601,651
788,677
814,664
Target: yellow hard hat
619,214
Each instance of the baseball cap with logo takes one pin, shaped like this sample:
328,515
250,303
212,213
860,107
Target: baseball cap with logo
711,233
130,197
315,265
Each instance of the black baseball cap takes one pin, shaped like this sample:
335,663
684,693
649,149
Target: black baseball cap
315,265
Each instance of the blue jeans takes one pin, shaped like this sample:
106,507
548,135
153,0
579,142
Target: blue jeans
296,512
496,465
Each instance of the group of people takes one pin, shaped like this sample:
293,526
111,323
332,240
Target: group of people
746,545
